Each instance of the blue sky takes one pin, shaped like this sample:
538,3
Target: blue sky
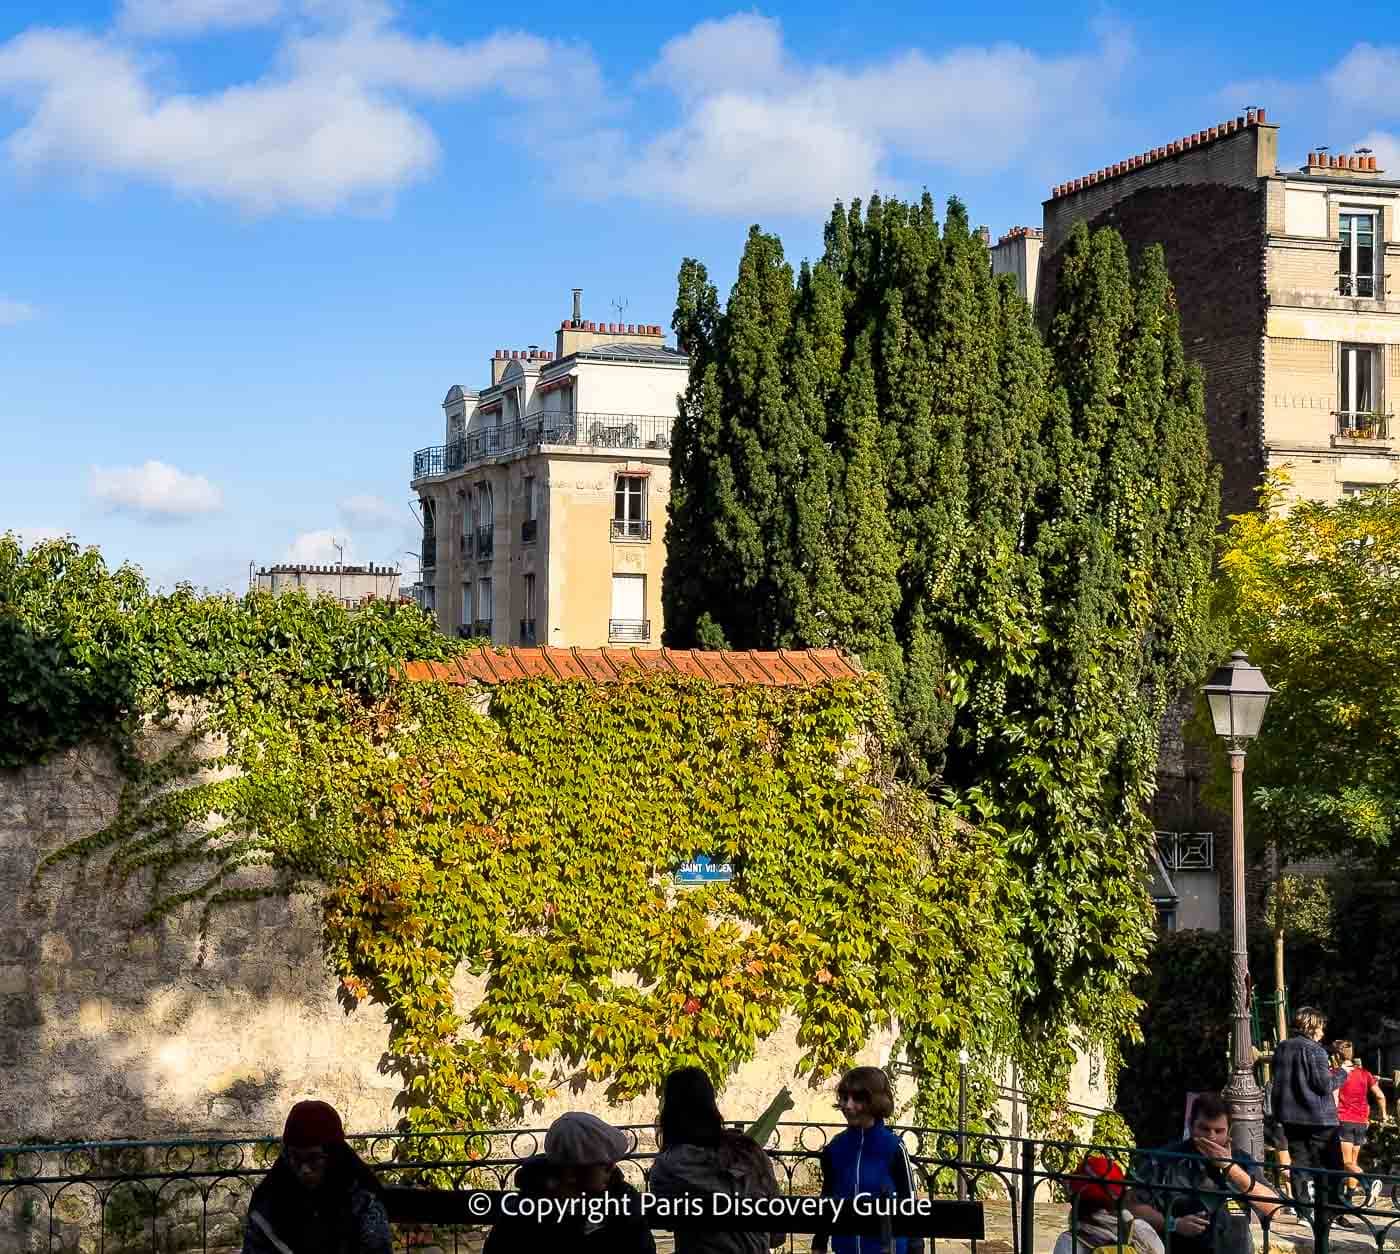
248,244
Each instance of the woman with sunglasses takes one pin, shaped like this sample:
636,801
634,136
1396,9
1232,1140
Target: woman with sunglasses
867,1158
320,1197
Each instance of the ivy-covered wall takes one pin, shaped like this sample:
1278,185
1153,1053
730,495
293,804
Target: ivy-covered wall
520,853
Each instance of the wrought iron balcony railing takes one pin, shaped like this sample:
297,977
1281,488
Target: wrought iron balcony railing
482,628
485,543
529,530
1364,286
1363,426
468,542
629,630
631,529
527,631
582,430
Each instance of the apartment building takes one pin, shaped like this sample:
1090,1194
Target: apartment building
1017,253
544,511
350,585
1282,278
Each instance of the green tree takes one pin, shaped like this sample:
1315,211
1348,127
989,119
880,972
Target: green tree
1313,596
1022,535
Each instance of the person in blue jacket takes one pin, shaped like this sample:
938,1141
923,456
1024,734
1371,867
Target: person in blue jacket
866,1158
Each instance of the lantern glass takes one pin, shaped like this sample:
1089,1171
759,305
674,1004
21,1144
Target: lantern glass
1220,713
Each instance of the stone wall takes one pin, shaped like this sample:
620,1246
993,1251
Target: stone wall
109,1031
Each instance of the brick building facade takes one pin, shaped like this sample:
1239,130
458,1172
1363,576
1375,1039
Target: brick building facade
1281,280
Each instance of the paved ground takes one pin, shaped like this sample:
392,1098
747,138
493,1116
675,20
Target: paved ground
1285,1236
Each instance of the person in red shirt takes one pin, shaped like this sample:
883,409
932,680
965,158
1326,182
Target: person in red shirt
1354,1106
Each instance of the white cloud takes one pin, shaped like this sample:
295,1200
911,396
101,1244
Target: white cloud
369,512
191,17
762,132
325,128
317,548
154,491
1365,79
13,312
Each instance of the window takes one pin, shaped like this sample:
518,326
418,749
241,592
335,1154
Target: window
530,498
1356,489
1359,374
1357,272
483,601
429,598
429,554
629,508
628,622
527,623
467,604
467,523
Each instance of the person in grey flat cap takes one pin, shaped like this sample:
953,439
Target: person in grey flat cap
579,1162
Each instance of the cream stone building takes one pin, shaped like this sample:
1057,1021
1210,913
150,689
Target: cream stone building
1283,278
1017,253
544,512
350,585
1283,281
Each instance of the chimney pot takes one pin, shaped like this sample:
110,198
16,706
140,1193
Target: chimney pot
1260,116
1249,116
1370,163
1312,158
578,303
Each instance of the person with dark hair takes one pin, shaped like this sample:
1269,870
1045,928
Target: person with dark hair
1304,1101
320,1196
700,1157
1359,1086
867,1158
1099,1219
1188,1187
579,1164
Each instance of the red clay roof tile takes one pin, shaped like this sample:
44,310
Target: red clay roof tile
784,668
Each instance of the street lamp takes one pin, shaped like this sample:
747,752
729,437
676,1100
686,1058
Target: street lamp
1238,695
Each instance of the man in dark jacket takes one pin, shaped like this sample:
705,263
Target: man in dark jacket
1304,1102
1200,1191
578,1170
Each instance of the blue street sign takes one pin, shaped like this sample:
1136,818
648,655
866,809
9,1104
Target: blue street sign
700,870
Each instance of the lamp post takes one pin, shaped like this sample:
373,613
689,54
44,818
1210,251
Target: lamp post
1238,695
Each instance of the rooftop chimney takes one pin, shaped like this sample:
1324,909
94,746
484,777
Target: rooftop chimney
578,304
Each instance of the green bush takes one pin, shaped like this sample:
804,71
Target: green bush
1185,1024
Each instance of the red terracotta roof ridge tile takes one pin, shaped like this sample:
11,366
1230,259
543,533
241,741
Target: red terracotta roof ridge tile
772,668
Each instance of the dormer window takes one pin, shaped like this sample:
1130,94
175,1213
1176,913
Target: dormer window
1357,272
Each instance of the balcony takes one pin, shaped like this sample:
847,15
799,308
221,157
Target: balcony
629,630
485,543
1361,286
527,631
429,552
631,529
529,530
468,541
513,439
1369,427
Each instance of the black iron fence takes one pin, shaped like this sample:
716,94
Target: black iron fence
580,430
170,1197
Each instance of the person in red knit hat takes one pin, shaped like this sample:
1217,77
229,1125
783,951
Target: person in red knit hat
320,1196
1099,1218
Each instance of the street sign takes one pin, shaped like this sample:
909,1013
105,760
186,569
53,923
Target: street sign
700,870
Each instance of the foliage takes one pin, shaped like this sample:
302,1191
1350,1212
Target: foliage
1350,970
1307,902
1185,1032
1313,596
528,847
1016,535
